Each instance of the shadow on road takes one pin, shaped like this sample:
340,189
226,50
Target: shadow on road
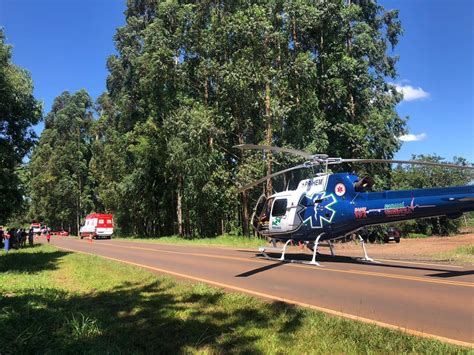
337,259
261,269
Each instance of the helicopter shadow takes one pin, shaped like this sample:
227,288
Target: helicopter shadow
261,269
340,259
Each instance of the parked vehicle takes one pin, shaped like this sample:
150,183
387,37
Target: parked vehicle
61,233
36,227
392,234
97,225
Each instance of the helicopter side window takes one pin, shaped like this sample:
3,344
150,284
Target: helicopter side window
364,185
279,207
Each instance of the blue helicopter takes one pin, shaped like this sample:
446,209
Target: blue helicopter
331,206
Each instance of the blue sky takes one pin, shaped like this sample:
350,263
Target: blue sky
64,44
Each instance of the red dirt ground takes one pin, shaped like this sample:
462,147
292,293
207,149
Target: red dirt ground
431,248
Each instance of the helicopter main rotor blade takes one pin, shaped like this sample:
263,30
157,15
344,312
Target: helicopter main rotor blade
412,162
275,149
259,181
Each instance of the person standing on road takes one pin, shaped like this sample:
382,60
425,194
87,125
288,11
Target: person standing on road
23,236
30,237
48,236
13,238
7,242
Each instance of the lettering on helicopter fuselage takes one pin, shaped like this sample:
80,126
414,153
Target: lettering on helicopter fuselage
312,182
397,209
360,212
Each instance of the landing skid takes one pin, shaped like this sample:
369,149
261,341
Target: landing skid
314,246
290,261
366,257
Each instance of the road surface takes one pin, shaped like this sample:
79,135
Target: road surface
426,299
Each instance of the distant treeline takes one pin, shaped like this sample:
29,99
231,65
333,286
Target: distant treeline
193,79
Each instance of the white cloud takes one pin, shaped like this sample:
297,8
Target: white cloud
412,137
411,93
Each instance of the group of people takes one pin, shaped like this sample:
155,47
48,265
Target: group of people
15,238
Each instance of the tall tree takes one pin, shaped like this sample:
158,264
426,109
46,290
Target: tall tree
19,110
59,164
304,74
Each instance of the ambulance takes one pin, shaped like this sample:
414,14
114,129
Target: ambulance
36,227
97,225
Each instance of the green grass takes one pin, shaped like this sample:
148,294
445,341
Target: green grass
415,235
222,240
52,301
468,222
463,254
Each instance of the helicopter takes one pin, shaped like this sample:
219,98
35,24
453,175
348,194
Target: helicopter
330,206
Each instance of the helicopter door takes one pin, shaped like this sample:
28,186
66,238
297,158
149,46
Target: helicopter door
279,217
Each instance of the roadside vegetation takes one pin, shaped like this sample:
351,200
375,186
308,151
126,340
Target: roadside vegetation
221,240
463,254
156,149
53,301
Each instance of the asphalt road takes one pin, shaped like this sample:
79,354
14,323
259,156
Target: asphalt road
426,299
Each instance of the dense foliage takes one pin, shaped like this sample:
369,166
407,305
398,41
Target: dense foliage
191,80
408,177
59,185
19,110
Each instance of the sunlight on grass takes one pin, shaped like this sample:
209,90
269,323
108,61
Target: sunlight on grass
83,327
463,254
222,240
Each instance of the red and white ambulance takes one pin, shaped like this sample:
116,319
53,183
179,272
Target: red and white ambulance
97,225
36,227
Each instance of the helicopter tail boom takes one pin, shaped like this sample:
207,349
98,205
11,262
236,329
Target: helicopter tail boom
396,206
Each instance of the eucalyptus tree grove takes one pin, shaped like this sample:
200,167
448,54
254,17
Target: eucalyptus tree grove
192,79
19,110
59,185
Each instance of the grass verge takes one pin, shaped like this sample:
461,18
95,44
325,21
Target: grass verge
222,240
415,236
463,254
53,301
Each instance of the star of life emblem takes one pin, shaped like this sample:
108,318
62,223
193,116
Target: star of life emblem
340,189
317,214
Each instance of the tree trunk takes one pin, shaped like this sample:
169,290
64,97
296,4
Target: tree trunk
245,197
352,114
206,91
79,183
268,137
245,213
187,224
179,210
295,38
